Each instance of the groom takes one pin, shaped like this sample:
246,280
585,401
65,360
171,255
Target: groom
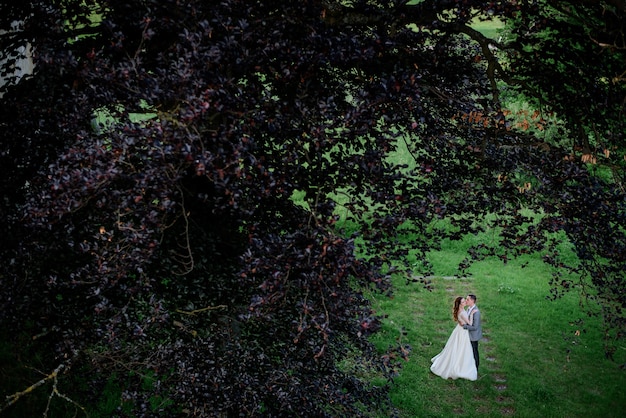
475,330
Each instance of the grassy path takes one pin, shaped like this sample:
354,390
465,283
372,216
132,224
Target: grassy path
489,370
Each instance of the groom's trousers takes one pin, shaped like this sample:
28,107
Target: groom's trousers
475,350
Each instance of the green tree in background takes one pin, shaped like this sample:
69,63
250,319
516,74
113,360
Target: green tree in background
152,162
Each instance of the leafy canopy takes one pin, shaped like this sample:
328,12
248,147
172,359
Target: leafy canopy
150,165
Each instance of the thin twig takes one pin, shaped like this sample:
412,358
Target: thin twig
196,311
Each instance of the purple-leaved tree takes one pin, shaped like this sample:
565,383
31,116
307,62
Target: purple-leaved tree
196,193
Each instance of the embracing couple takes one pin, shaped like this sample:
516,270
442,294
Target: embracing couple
459,358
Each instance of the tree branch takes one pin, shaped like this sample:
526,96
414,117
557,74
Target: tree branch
52,376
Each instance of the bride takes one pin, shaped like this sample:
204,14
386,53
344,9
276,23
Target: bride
456,360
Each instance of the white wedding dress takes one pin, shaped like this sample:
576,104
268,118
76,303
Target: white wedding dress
456,360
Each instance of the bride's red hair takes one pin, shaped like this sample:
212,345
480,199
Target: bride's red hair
457,306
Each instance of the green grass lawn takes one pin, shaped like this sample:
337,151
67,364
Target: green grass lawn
490,28
537,360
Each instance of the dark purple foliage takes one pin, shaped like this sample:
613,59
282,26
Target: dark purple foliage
169,245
